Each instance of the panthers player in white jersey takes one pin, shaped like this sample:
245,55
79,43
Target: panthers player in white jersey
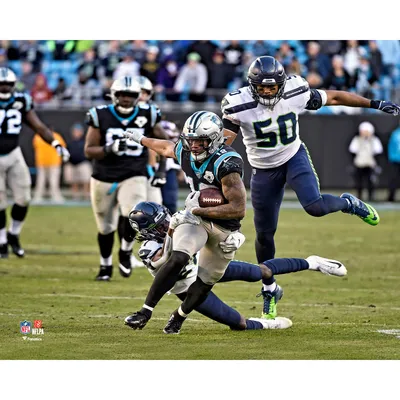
17,108
266,112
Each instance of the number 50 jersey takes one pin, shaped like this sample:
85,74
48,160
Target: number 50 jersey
133,162
271,137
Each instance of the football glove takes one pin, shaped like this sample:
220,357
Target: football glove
192,201
232,242
386,106
61,151
159,179
133,134
183,217
117,147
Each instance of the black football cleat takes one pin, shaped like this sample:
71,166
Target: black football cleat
174,324
4,250
13,241
105,273
137,320
125,266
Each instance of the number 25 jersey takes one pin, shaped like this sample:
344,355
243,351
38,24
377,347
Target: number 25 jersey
133,161
271,137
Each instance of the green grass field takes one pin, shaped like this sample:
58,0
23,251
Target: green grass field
333,318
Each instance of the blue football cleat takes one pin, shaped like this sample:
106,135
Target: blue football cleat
363,210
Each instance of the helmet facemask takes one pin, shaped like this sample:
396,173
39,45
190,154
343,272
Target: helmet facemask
270,101
266,71
203,126
129,88
150,221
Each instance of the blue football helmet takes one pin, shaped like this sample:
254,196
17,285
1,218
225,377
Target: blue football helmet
150,221
266,70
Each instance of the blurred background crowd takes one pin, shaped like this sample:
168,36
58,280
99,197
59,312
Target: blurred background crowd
79,73
70,76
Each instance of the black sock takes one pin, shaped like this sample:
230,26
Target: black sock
18,213
196,294
166,277
106,243
2,219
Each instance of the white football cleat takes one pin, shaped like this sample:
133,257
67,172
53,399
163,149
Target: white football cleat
135,262
277,323
326,266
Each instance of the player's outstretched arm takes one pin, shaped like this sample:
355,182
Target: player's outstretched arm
163,147
47,135
342,98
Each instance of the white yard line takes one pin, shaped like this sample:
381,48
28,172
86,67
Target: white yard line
322,305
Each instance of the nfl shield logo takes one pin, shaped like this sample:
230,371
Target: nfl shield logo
25,327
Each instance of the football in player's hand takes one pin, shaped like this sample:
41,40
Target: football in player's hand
211,197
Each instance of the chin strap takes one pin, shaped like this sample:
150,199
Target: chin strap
125,110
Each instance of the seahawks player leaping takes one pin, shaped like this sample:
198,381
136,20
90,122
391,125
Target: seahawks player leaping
154,228
266,112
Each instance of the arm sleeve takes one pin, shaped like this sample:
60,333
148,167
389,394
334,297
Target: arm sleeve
230,165
228,124
318,99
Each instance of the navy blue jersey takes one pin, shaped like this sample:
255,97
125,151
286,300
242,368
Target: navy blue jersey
116,168
210,172
12,115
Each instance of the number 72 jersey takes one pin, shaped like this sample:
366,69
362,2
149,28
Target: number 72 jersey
271,137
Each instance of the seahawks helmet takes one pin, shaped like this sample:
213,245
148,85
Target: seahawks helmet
266,71
127,86
150,221
7,83
203,125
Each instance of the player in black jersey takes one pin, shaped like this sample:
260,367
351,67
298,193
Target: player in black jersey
119,176
207,162
17,108
156,168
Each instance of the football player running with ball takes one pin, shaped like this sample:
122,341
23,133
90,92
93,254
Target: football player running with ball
266,112
207,162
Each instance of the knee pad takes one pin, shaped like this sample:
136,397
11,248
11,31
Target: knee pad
266,237
178,257
316,209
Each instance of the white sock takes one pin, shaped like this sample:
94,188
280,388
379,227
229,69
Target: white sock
269,288
15,227
126,246
3,236
312,263
106,261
